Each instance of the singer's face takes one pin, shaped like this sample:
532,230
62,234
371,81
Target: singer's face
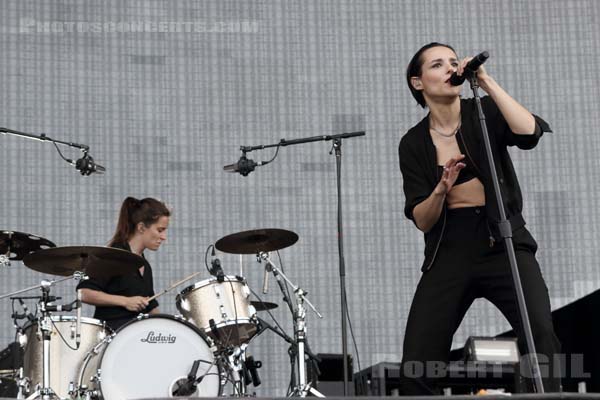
154,235
439,63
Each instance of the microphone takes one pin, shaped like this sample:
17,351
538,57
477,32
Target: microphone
87,166
216,270
189,386
78,326
29,315
470,68
244,166
252,367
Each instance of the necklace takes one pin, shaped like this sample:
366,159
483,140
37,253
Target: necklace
443,133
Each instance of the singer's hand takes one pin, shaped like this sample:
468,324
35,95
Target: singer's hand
135,303
482,76
451,170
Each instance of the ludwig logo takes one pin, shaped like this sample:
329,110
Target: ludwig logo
159,338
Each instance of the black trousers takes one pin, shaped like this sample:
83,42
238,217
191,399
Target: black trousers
468,267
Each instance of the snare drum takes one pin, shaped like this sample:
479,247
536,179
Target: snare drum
221,309
151,356
65,358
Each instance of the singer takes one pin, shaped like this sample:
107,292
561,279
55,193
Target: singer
142,225
447,184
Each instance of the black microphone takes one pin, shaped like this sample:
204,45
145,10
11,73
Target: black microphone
216,270
61,307
87,166
470,68
252,367
29,315
244,166
188,387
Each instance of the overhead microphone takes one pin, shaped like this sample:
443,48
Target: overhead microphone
87,166
244,166
472,66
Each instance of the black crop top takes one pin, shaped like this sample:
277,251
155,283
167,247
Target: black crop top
465,174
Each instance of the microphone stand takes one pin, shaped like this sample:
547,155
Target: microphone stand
43,138
506,233
85,164
337,146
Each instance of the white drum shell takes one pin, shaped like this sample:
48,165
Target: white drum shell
146,357
226,303
65,361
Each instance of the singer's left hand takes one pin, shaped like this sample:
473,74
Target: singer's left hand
482,76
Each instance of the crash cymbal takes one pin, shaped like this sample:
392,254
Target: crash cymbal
19,244
255,241
263,305
95,261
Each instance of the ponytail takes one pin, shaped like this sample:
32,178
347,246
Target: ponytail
134,211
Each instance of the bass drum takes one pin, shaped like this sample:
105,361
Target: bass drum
152,356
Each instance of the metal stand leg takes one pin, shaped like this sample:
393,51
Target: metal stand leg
301,388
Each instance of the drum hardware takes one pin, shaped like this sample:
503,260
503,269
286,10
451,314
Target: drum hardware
44,329
301,388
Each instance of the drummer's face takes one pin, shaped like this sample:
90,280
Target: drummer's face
155,234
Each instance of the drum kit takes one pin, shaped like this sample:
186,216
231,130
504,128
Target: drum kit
201,352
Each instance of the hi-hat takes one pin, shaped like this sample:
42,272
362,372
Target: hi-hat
95,261
16,245
256,241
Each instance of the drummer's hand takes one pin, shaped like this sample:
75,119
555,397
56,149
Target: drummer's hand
136,303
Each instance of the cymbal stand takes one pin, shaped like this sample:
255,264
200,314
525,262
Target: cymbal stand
301,387
234,362
45,327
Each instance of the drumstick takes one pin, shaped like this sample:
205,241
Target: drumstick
173,286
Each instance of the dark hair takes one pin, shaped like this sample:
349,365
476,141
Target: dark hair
134,211
414,69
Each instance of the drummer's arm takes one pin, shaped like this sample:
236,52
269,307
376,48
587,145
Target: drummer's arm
154,311
99,299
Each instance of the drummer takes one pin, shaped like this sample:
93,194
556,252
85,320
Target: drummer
142,225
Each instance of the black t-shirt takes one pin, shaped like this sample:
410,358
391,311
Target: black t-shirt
134,284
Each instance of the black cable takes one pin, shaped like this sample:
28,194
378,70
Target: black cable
237,332
268,311
283,270
206,257
292,355
352,333
61,155
274,157
61,336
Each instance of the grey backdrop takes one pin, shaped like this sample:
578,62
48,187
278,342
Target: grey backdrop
165,106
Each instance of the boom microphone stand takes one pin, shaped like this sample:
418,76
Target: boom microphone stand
506,233
244,166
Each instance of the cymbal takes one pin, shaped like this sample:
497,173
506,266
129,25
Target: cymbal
95,261
255,241
263,305
19,244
